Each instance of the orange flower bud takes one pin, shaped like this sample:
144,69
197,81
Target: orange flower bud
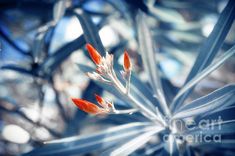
94,54
87,106
127,62
101,101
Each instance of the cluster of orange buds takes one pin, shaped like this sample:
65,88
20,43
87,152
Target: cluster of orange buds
91,108
105,65
105,73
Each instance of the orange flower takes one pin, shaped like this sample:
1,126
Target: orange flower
94,54
87,106
127,62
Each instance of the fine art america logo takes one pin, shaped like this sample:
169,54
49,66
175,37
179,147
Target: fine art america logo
195,131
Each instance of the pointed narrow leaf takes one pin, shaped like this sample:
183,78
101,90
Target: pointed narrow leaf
88,143
54,60
18,69
148,54
217,63
134,144
90,31
211,46
221,128
59,10
219,98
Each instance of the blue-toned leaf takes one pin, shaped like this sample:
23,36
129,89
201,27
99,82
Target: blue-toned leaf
223,144
4,35
90,31
121,7
18,69
39,40
211,46
224,113
120,119
140,89
217,63
220,98
169,89
53,61
135,143
138,5
217,128
166,14
147,50
59,10
154,149
170,146
89,143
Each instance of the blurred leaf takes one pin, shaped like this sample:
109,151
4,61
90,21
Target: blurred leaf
4,35
38,46
225,147
105,86
139,88
181,36
223,112
220,98
205,72
89,143
114,119
220,127
152,150
90,31
91,90
138,5
49,38
147,50
166,14
54,60
59,10
122,8
210,47
169,89
169,42
18,69
143,89
135,143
